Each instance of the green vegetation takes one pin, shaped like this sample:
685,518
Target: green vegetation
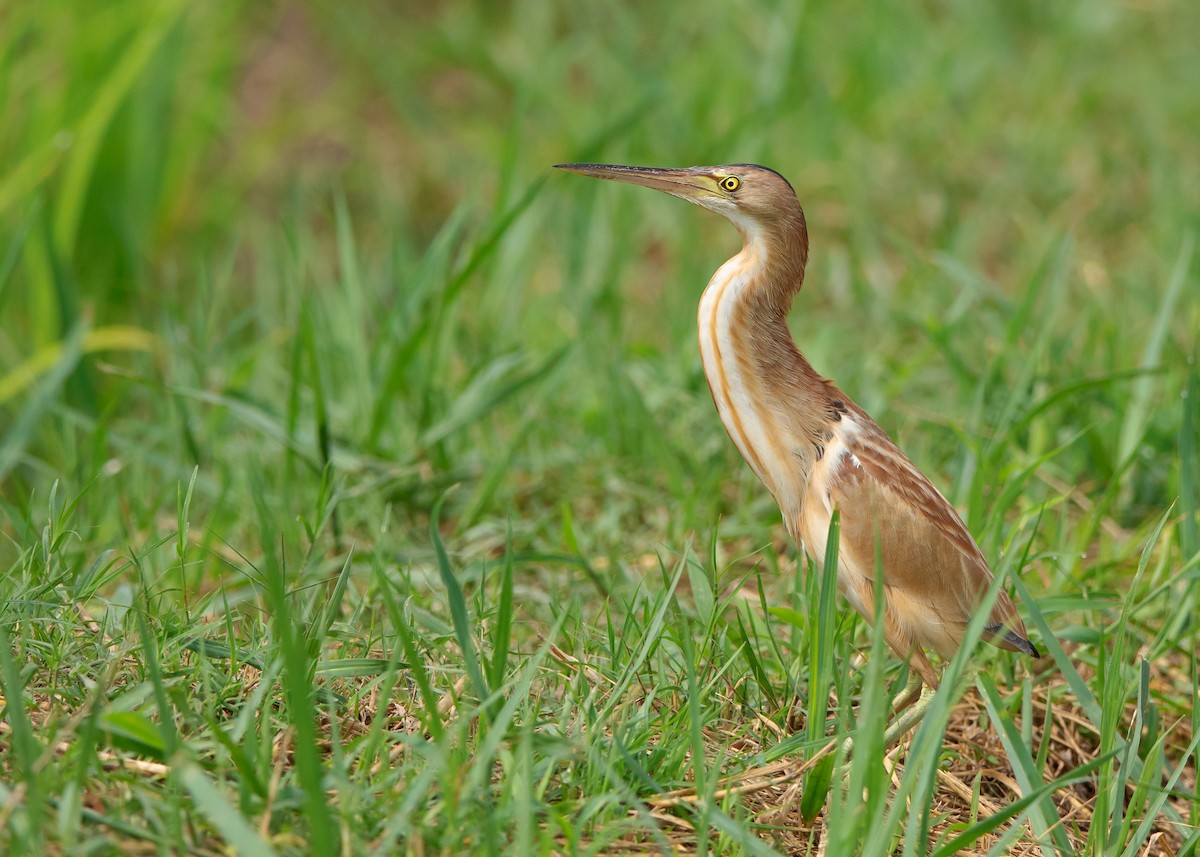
276,281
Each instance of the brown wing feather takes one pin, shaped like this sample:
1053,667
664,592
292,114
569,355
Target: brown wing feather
935,573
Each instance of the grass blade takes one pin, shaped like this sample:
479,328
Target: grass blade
15,440
1137,412
89,133
458,608
501,637
26,749
1043,816
224,817
297,678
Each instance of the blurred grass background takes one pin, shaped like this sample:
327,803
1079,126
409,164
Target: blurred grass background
276,277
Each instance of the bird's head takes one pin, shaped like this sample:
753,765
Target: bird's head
757,200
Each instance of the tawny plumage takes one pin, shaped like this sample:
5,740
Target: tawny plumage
814,449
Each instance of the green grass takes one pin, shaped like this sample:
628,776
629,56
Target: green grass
361,493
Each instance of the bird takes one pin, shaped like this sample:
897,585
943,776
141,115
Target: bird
815,450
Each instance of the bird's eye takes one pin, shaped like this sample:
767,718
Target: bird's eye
731,183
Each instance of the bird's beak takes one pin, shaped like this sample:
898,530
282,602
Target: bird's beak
690,184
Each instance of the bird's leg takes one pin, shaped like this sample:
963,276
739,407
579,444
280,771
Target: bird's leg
922,684
909,695
910,706
914,713
910,709
920,671
905,721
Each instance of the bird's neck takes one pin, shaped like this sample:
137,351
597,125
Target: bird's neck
767,395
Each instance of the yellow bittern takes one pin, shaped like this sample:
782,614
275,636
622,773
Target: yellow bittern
814,449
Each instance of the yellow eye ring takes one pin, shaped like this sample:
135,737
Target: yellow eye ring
731,183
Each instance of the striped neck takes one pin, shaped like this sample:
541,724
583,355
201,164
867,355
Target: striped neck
767,395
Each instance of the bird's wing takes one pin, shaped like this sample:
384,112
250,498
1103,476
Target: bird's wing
931,564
